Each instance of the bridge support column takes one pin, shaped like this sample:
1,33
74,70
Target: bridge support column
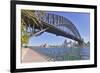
81,44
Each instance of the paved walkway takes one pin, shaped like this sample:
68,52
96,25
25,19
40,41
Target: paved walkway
29,55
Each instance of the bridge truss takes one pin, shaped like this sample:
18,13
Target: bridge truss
45,21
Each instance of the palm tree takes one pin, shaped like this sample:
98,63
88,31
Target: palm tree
29,19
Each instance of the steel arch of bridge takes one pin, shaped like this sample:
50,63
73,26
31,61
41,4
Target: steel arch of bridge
57,22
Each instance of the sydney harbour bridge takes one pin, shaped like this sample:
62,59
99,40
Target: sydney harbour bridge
37,23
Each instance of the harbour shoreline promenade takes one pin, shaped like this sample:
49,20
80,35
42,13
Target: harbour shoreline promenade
34,54
29,55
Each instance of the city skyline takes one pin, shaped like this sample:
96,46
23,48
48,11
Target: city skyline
80,20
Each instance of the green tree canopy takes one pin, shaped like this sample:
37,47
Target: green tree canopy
28,17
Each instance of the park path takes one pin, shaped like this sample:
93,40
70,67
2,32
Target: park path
29,55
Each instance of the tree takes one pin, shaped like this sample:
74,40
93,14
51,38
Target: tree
24,36
29,20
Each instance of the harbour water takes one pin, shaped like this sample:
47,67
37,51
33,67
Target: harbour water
64,54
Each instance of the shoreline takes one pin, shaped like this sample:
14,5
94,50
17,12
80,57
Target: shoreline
33,55
29,55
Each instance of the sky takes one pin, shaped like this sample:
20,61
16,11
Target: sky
80,20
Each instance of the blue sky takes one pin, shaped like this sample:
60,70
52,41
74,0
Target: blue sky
80,20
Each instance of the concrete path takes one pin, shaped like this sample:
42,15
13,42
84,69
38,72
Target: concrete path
29,56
